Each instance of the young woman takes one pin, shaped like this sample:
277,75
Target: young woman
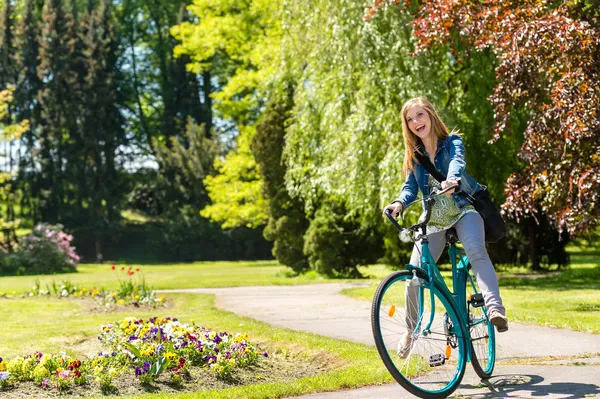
424,132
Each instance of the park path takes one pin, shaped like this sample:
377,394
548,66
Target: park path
321,309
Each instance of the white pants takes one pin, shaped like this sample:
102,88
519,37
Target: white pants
471,233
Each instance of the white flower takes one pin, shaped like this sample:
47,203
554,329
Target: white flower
4,375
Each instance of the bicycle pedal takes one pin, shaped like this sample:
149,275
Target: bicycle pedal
476,300
437,360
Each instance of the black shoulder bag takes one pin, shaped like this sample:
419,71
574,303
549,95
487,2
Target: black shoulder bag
495,229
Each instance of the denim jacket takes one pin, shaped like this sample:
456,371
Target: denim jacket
450,161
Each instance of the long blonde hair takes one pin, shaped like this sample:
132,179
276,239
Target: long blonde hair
411,141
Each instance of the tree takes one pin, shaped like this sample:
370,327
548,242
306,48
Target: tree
100,131
287,222
549,64
237,43
9,131
26,105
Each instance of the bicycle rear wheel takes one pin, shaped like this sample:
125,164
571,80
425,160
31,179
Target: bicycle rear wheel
483,338
429,364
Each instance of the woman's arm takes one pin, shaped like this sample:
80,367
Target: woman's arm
457,158
410,189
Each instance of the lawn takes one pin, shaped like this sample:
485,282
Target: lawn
570,299
50,325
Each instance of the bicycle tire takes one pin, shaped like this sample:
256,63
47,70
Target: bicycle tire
417,384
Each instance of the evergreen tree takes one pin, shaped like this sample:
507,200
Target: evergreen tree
101,125
53,55
287,223
27,106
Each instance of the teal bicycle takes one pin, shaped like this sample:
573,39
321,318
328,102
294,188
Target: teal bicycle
426,333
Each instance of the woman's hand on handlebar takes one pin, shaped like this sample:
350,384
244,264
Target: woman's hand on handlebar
449,183
395,208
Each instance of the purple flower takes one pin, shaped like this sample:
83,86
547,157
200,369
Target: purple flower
138,371
216,350
132,338
265,354
4,375
217,339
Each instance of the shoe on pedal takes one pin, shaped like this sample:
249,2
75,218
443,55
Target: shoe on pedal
499,320
404,345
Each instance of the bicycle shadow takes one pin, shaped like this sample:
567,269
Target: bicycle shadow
527,386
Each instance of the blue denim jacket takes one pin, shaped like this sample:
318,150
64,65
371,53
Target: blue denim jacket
450,161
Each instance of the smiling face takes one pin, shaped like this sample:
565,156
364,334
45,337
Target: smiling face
419,122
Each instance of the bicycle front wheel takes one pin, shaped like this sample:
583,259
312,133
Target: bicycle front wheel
428,362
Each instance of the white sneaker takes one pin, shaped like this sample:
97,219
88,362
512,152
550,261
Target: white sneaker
499,320
404,345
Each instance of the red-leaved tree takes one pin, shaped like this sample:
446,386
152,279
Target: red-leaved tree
549,64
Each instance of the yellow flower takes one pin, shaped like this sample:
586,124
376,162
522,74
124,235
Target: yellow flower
40,372
44,359
171,356
112,372
121,302
15,364
3,366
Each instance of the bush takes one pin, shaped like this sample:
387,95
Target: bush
46,250
336,246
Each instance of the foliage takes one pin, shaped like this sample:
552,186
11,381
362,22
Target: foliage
46,250
129,291
185,162
9,132
549,64
146,349
165,343
335,246
239,42
235,190
287,222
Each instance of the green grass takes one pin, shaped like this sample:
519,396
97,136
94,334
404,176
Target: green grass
570,299
184,275
50,324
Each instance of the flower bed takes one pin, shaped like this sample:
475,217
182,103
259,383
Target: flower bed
158,348
129,292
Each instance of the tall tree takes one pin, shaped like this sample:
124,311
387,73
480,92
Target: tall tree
54,107
27,106
549,63
101,125
287,222
241,56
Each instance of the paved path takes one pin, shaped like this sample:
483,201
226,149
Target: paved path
321,309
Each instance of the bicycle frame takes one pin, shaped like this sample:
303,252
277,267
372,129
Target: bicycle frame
460,274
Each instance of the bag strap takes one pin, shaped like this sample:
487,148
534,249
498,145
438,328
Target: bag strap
424,160
437,175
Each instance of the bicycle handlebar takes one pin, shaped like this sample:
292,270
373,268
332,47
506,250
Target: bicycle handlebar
429,201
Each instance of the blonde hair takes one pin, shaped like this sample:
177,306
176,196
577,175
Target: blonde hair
411,141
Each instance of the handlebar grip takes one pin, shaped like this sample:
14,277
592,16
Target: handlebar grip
388,213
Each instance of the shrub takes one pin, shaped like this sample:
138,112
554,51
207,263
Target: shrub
46,250
335,246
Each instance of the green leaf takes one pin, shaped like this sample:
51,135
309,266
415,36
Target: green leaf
133,349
